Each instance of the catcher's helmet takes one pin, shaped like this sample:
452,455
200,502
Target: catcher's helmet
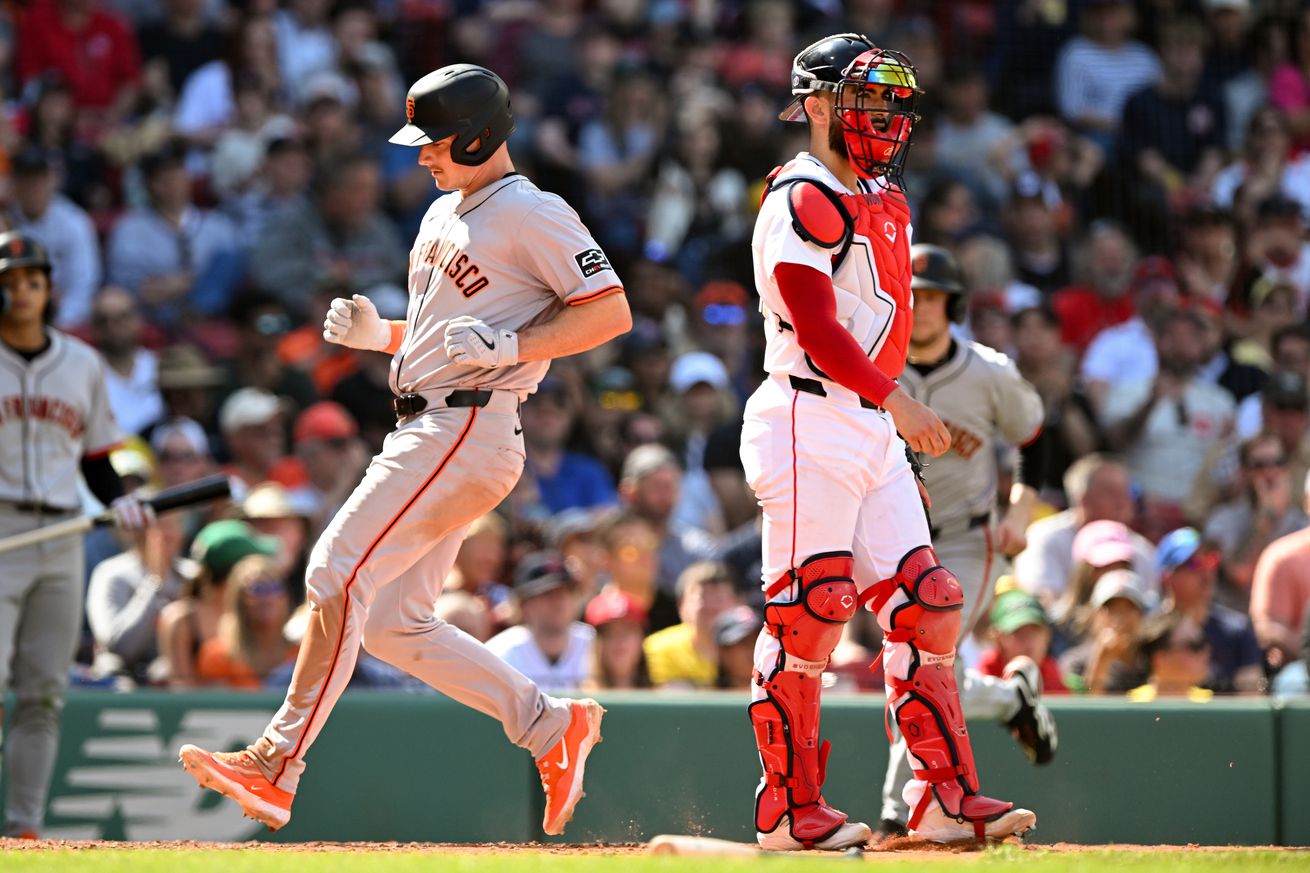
464,100
17,249
850,66
935,267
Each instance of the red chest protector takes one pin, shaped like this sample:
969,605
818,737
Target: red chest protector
822,216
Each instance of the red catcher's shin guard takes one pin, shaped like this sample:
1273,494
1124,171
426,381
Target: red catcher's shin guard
926,702
786,721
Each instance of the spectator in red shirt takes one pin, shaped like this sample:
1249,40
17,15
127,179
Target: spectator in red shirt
1109,262
92,48
1020,627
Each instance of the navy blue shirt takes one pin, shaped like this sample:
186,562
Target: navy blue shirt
1232,645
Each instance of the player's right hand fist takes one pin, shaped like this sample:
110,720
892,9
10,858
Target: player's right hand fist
355,323
918,425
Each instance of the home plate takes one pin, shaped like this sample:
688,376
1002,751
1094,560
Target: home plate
680,844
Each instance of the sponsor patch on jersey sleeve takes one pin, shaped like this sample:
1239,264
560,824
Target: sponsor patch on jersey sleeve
591,262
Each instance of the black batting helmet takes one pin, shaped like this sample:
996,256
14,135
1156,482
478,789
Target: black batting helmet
17,249
464,100
934,267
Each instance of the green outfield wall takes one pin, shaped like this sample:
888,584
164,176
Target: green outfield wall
420,768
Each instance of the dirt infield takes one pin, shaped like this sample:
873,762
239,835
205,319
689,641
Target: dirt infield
899,848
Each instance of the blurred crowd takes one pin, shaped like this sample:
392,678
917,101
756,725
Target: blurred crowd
1124,183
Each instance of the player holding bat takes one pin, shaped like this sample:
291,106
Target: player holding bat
55,421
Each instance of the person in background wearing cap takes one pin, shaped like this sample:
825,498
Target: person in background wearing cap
686,655
251,641
333,457
1095,73
1265,509
1166,424
1099,489
126,595
702,401
1124,353
261,322
57,434
1177,658
1020,628
721,325
563,479
550,647
1172,133
651,486
132,373
186,623
176,257
64,228
735,632
1276,247
618,660
1099,297
1107,660
251,424
1099,548
272,511
1280,594
187,383
1187,578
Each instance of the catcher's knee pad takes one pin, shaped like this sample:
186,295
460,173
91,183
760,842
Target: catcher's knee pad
923,603
810,625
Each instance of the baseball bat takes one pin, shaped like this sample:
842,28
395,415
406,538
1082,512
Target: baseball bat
187,494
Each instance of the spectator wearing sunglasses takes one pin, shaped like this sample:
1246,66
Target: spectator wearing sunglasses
1265,510
1188,567
329,447
1178,653
251,642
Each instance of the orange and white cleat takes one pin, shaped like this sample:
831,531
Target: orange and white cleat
235,775
562,767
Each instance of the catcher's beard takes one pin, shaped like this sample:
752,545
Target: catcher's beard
837,140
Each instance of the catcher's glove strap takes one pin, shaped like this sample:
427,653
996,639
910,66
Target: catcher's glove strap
974,521
35,508
412,404
815,387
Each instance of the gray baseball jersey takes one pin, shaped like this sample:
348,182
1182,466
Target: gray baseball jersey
509,254
54,411
980,397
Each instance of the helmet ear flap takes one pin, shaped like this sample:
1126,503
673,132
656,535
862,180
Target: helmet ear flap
957,307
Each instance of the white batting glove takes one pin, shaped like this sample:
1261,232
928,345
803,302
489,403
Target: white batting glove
472,341
355,323
131,514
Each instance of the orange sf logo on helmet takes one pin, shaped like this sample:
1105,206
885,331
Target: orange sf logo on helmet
16,247
409,110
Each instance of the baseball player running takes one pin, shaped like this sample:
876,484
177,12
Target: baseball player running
980,397
55,422
503,277
843,521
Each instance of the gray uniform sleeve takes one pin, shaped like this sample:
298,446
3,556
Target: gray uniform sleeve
123,611
1019,413
558,250
102,433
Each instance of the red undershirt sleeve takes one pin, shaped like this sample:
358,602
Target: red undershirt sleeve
813,306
